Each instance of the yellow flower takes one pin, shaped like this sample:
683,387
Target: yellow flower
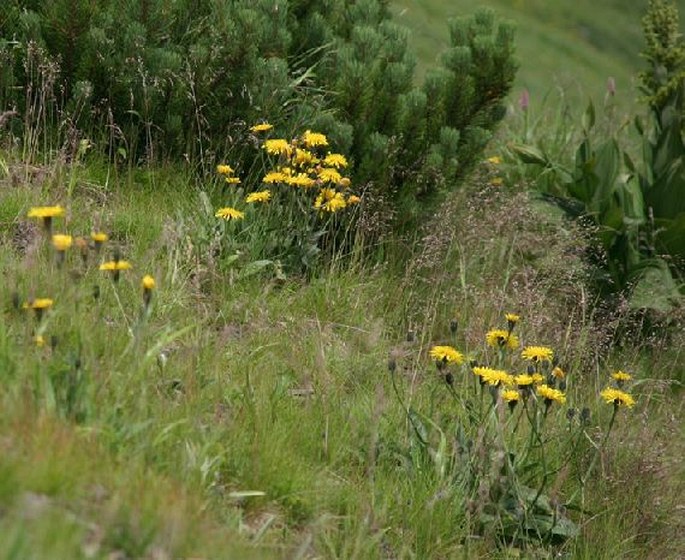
512,318
550,394
113,266
498,338
39,303
224,169
617,397
353,199
261,127
148,282
39,340
233,180
345,182
46,212
313,139
511,395
496,377
335,160
329,200
524,380
277,147
61,242
300,180
229,213
275,177
537,353
446,354
621,376
329,175
537,378
495,160
99,237
303,157
497,181
558,373
259,196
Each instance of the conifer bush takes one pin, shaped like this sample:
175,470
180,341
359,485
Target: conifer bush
156,79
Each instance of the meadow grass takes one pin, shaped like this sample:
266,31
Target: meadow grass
254,416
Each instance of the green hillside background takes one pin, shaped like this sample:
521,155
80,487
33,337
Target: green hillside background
569,45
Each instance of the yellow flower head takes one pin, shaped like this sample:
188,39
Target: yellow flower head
99,237
335,160
39,340
148,282
551,395
345,182
498,338
329,200
617,397
313,139
39,303
495,160
300,180
446,354
537,353
275,177
537,378
303,158
224,169
558,373
524,380
233,180
329,175
511,395
353,199
259,196
621,376
229,213
46,212
61,242
277,147
261,127
496,377
113,266
497,181
512,318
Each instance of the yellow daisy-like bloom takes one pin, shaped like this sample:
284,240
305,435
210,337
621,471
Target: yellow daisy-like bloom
259,196
537,378
277,147
313,139
329,175
497,182
303,158
446,354
495,160
498,338
275,177
261,127
148,282
39,303
61,242
617,397
511,395
329,200
39,340
300,180
537,353
345,182
621,376
497,377
335,160
524,380
512,318
113,266
353,199
550,394
558,373
46,212
229,213
224,169
233,180
99,237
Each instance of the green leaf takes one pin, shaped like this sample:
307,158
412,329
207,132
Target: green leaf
530,154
